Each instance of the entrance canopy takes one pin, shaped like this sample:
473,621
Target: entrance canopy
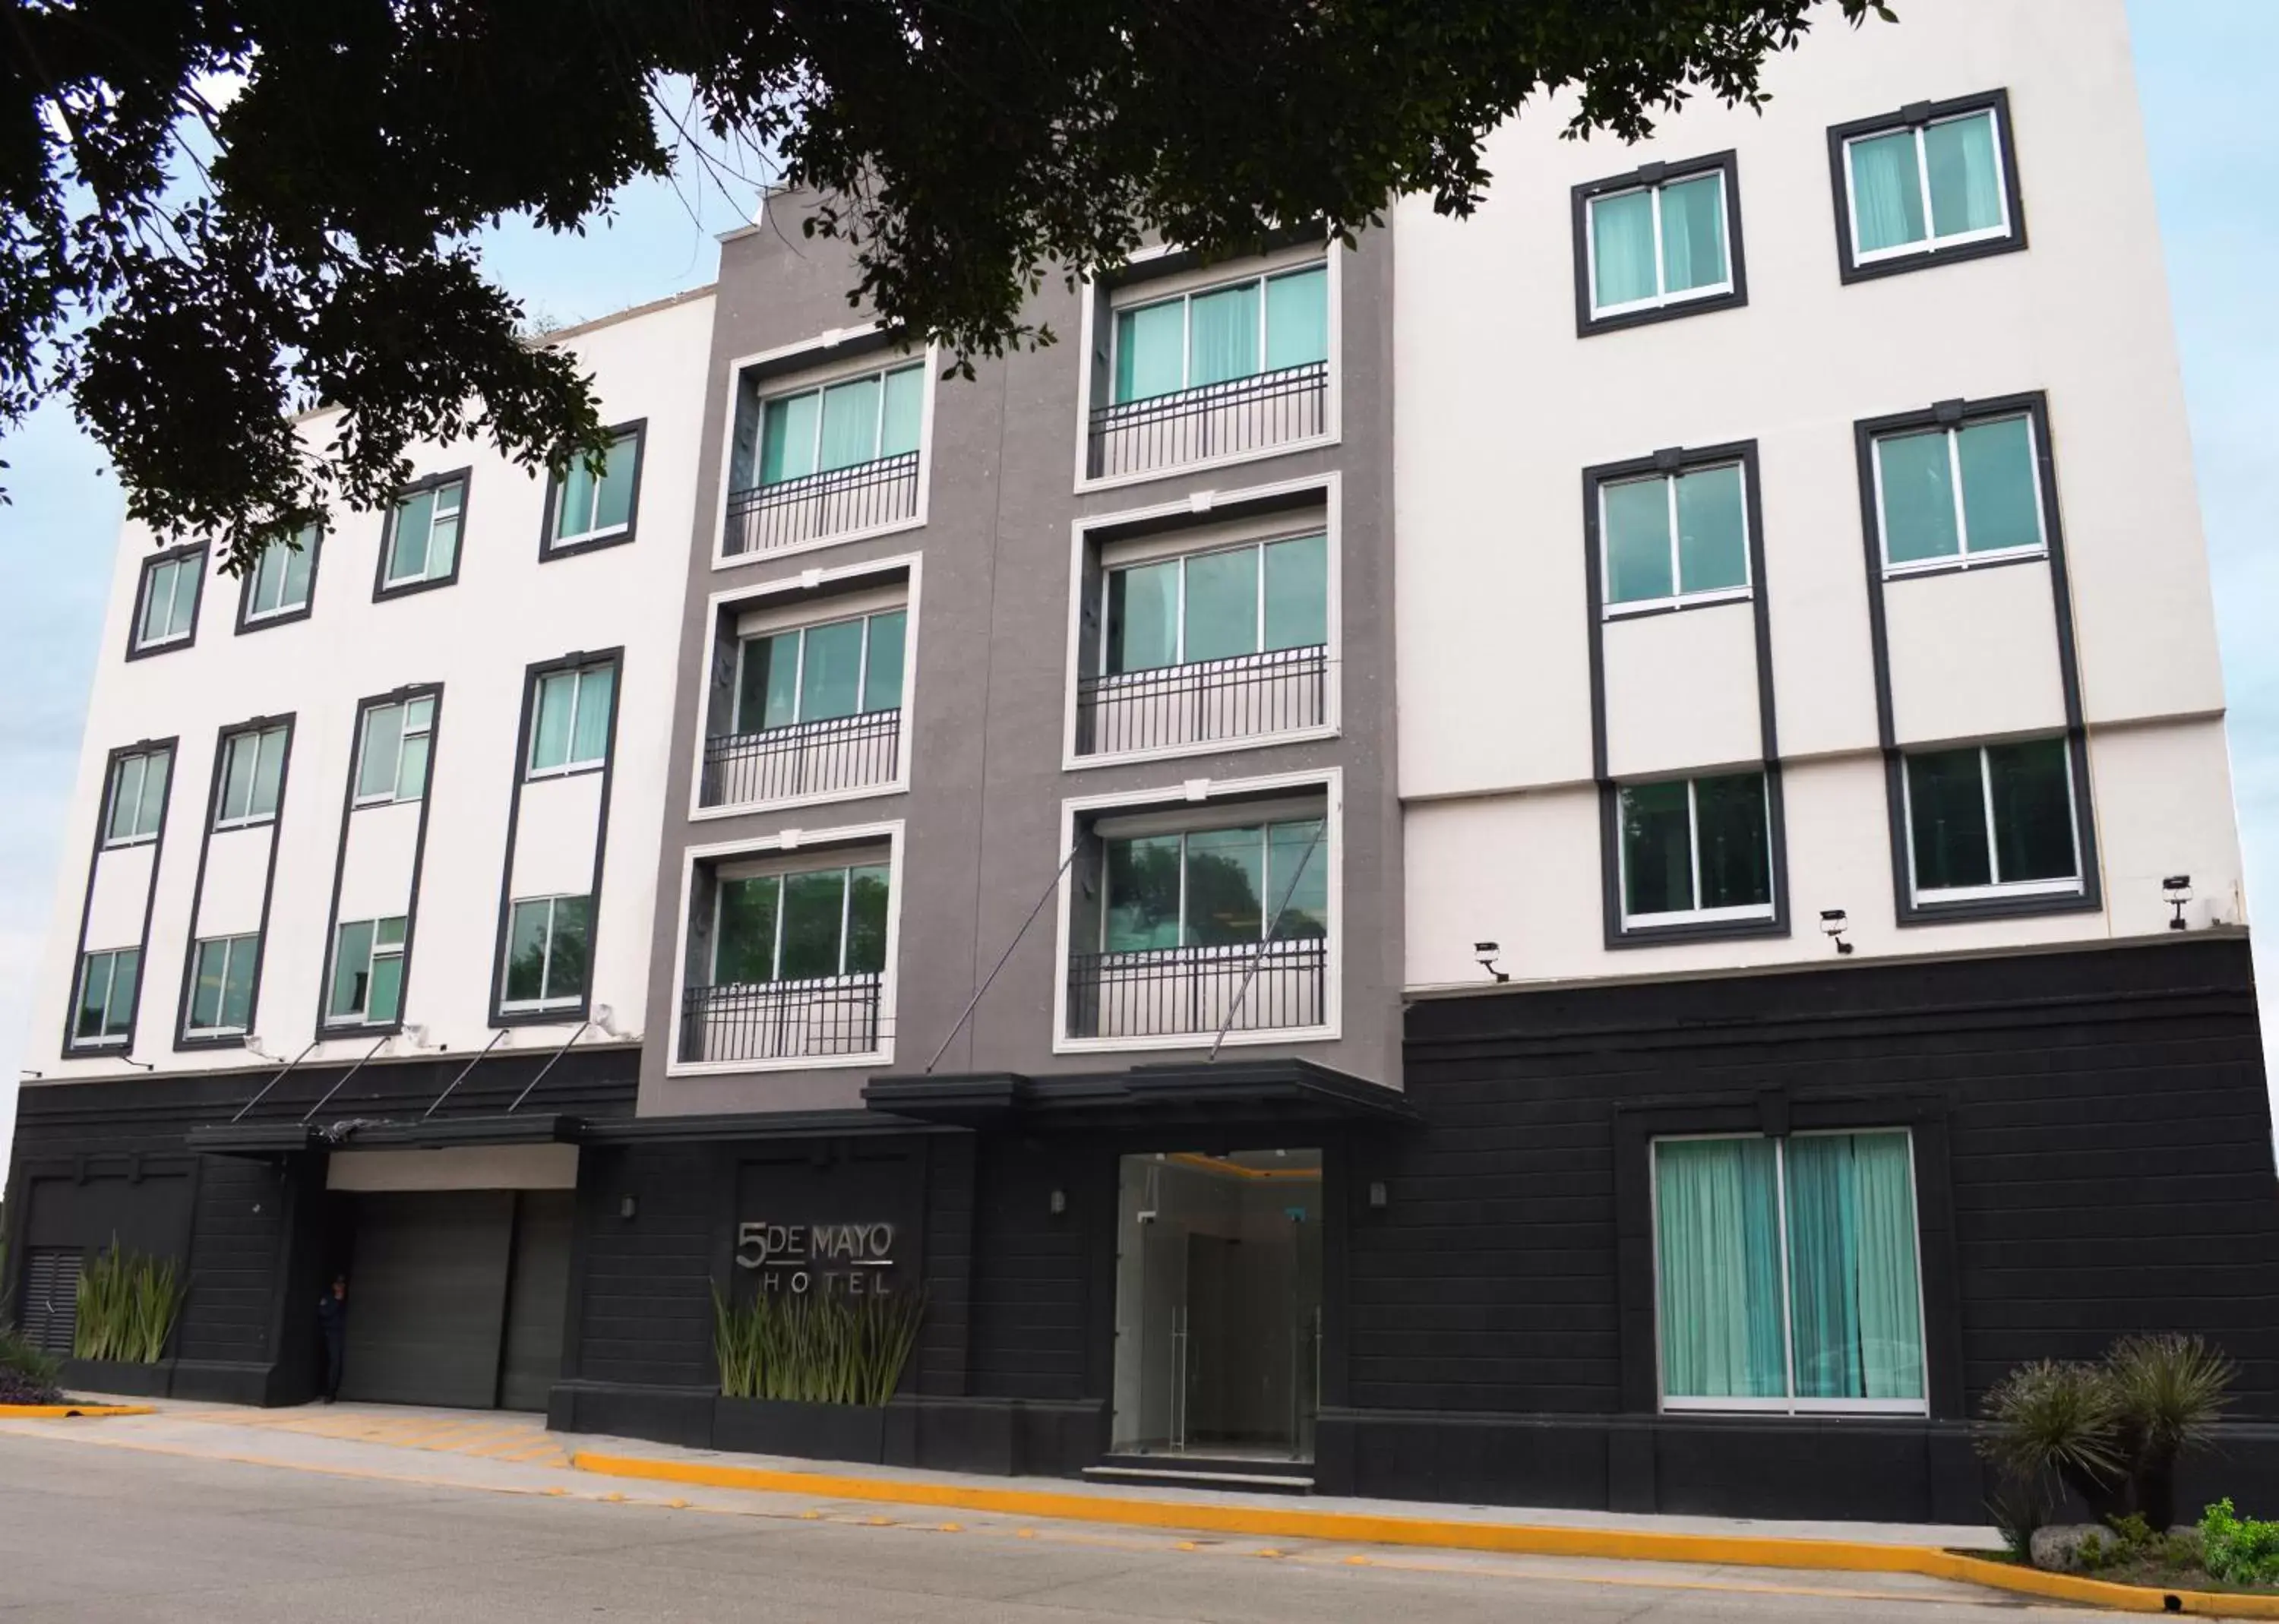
1281,1091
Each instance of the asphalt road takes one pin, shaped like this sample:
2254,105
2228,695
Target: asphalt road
90,1533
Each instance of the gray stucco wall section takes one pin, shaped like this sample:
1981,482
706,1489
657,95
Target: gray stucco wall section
982,817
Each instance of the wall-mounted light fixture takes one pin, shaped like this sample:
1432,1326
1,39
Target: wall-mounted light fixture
2177,890
1379,1197
1485,953
1058,1202
1832,925
253,1047
626,1208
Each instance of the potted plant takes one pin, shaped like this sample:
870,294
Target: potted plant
129,1304
810,1374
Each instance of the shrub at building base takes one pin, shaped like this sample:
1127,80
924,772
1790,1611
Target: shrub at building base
817,1348
128,1305
26,1374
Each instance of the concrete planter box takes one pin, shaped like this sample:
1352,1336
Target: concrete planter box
106,1376
853,1432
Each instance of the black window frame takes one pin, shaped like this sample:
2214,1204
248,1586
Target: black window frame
136,649
1915,115
185,1042
1657,174
283,617
322,1028
381,590
548,550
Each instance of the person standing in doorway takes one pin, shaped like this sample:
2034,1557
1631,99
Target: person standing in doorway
333,1321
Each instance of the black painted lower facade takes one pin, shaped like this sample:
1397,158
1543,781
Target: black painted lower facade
2090,1148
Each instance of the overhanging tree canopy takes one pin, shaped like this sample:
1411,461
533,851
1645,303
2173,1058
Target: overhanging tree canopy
217,212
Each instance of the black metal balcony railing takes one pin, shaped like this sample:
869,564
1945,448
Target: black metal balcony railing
813,506
1243,696
783,1020
1221,419
1245,987
807,758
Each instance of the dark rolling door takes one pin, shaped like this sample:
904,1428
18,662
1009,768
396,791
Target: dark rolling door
50,1318
426,1298
537,1299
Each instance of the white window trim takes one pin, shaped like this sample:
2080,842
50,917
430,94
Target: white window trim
516,1006
1964,556
250,820
1147,293
1930,240
393,950
115,843
143,599
394,797
1791,1405
103,1040
1692,915
2000,889
909,565
1331,529
823,373
254,616
391,582
1662,298
785,843
1329,782
570,766
1609,610
556,540
252,942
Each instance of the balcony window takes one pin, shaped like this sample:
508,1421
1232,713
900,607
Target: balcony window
817,709
367,973
840,458
1205,929
252,776
1670,539
422,549
283,578
167,614
1656,245
1935,185
797,964
1695,851
104,1015
136,801
570,720
1219,372
1950,496
549,944
392,756
1992,821
221,988
585,508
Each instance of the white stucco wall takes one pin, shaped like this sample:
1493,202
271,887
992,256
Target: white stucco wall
506,611
1500,407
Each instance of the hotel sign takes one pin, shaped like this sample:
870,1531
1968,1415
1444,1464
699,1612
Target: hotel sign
858,1259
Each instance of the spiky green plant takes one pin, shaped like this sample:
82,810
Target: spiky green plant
127,1306
2170,1390
2049,1420
819,1348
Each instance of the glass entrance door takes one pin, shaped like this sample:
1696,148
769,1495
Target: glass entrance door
1218,1304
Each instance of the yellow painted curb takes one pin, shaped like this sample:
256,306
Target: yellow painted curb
1511,1539
58,1412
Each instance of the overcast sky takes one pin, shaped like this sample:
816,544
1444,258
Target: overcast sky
2204,73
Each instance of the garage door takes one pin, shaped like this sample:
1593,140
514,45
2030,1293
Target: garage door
427,1297
538,1299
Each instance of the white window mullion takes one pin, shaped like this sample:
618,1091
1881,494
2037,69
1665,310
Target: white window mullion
1180,622
1922,183
1986,795
1788,1310
1258,357
1183,890
1677,582
1954,476
545,956
799,678
1694,842
1661,276
845,907
1258,633
1187,338
815,446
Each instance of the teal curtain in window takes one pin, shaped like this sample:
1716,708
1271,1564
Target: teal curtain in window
351,969
1298,593
1143,618
407,552
882,675
850,424
1222,335
1718,1237
1966,194
1693,233
1222,605
549,742
1297,318
1150,350
268,773
1886,192
613,504
1999,510
787,438
1918,496
574,513
589,740
830,671
898,430
1853,1300
1713,546
1636,514
1622,249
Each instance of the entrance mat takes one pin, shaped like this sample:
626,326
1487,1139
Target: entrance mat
1505,1538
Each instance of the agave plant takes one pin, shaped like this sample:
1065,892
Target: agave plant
2049,1420
2169,1390
818,1348
127,1306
